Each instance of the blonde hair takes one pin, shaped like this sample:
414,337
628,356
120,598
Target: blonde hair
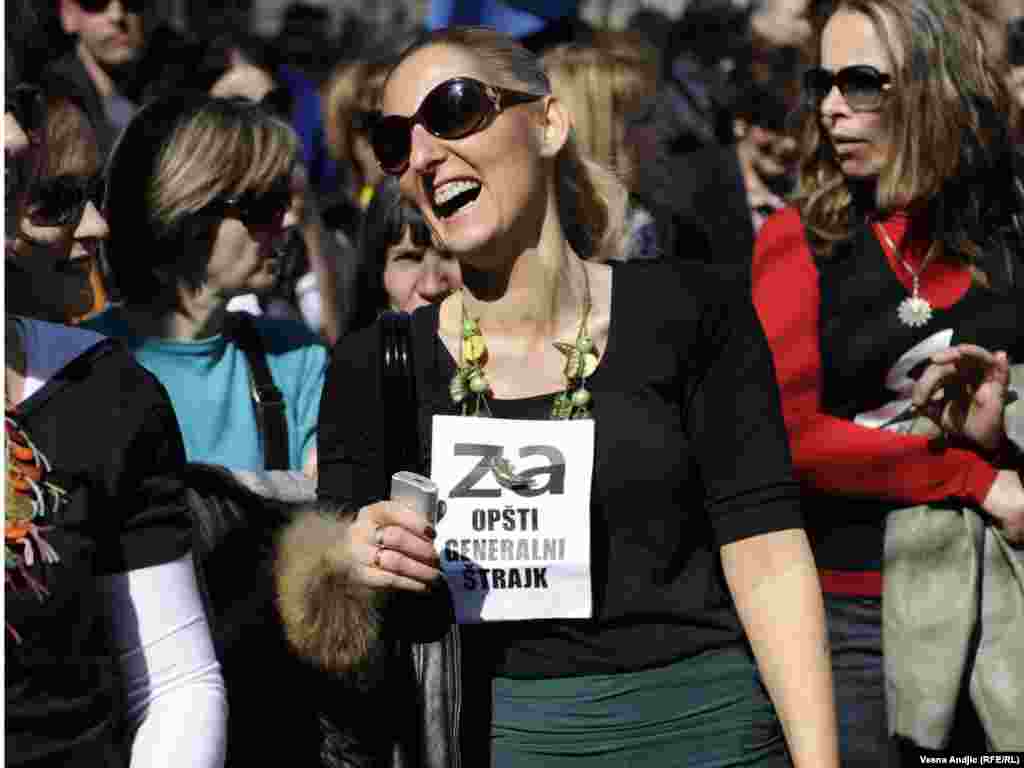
227,147
353,87
603,83
179,154
945,122
591,199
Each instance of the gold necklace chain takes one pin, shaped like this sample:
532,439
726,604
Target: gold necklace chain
914,276
914,311
470,388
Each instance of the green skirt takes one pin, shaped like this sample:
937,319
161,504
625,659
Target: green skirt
709,711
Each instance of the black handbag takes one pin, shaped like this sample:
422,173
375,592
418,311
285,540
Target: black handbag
398,390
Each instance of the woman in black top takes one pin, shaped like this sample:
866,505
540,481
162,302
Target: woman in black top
107,657
691,472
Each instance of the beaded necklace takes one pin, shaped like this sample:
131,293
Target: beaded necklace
470,388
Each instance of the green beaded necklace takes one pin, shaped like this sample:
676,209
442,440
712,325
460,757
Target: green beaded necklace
470,388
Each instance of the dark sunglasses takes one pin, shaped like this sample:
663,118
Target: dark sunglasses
99,6
453,110
60,201
259,211
862,86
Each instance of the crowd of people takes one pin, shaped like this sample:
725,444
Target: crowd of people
757,268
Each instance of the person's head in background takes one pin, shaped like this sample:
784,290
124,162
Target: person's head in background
917,120
198,191
654,26
24,107
778,24
235,64
611,86
52,228
52,272
764,131
1002,23
305,37
399,267
111,34
350,99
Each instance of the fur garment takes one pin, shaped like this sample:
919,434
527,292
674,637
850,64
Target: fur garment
328,618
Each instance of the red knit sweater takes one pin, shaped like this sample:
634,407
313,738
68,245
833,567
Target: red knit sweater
832,454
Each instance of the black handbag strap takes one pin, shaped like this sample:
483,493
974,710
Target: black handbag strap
398,389
268,402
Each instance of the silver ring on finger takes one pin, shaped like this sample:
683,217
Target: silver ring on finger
378,536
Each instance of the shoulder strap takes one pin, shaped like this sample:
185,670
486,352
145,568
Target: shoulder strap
74,370
268,402
398,388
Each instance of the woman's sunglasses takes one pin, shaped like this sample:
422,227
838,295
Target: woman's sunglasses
259,211
862,86
453,110
60,201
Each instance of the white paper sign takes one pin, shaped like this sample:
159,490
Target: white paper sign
518,548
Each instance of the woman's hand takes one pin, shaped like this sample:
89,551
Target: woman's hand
963,391
389,546
1005,503
334,573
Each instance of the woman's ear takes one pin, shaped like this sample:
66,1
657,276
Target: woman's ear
557,123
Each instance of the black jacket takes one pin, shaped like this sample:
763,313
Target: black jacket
713,218
163,66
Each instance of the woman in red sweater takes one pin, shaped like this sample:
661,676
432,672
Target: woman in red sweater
896,250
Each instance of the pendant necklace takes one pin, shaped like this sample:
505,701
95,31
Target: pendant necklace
470,388
914,311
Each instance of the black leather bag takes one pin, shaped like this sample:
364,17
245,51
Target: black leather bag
398,389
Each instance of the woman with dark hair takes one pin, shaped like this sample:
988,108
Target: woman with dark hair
108,658
696,547
895,254
52,267
399,266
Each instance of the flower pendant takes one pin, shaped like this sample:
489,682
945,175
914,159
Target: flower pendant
915,311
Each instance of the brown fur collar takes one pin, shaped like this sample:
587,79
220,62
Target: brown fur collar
328,619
